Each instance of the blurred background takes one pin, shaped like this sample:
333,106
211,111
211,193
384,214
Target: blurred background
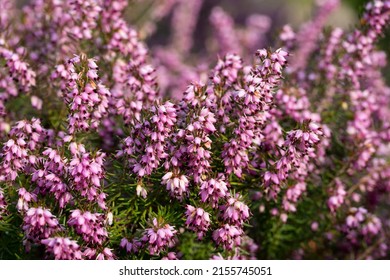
281,12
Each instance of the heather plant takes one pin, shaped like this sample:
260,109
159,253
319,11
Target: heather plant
112,150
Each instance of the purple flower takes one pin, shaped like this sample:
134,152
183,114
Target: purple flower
17,153
338,196
62,248
89,225
24,199
213,190
159,237
226,70
198,220
177,185
87,97
3,203
106,254
86,173
228,236
170,256
234,211
38,224
50,174
131,246
147,144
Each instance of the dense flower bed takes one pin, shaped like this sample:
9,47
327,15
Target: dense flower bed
112,151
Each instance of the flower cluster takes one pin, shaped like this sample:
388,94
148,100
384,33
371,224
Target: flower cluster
214,189
17,153
110,149
39,224
148,139
86,96
50,175
3,203
62,248
360,222
87,171
198,220
228,236
254,102
159,237
89,225
235,212
337,199
176,185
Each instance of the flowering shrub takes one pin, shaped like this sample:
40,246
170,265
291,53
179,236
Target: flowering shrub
113,151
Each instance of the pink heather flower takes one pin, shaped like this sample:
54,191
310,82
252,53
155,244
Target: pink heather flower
356,217
299,148
62,248
89,225
24,199
360,222
3,203
125,40
174,73
283,217
38,224
236,256
36,102
86,172
234,211
359,45
377,15
295,103
327,62
177,185
247,249
193,153
170,256
106,254
135,89
159,237
287,36
213,189
84,14
89,253
7,9
252,103
51,171
131,246
372,226
94,254
87,98
254,35
18,69
314,226
292,196
226,70
147,145
16,155
234,158
228,236
141,191
198,220
339,193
